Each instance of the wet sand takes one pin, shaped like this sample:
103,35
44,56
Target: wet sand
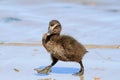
19,62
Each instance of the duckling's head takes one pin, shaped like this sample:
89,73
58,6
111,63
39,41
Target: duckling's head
54,27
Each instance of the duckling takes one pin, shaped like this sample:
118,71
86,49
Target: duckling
61,47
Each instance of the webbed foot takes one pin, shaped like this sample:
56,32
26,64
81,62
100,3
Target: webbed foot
43,71
79,73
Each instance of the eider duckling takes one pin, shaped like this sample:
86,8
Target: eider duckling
61,47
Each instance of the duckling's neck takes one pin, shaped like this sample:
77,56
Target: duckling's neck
55,37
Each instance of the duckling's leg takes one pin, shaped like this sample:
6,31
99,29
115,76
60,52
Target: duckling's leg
47,69
81,72
54,60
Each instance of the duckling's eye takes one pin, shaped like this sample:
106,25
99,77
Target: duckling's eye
52,25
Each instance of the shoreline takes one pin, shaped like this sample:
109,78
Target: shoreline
39,44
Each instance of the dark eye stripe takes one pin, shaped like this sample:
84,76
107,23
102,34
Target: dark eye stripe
52,25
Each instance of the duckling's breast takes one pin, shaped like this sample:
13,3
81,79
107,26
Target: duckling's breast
56,50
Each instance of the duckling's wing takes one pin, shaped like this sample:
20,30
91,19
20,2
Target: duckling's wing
68,43
71,45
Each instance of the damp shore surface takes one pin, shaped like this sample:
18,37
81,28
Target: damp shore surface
95,22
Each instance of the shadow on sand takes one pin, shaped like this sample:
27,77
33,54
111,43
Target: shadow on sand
60,70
